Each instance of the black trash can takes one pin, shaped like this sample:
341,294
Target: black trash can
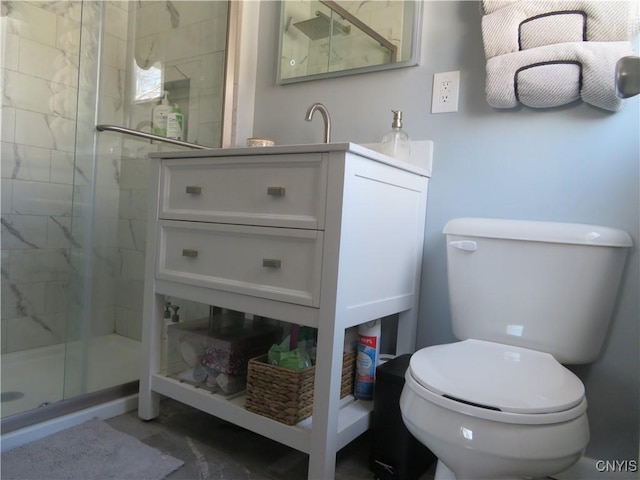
395,452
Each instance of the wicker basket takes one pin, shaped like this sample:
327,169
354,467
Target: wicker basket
286,395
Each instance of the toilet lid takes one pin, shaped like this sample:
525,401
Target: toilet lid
496,376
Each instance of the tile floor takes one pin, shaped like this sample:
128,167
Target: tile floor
215,449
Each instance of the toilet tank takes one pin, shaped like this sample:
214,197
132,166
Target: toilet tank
542,285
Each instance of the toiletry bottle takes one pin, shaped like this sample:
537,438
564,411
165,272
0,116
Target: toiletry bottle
368,349
160,114
169,319
396,143
165,334
175,122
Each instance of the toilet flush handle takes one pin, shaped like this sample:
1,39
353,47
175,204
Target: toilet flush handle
466,245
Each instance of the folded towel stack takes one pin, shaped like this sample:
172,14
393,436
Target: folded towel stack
550,53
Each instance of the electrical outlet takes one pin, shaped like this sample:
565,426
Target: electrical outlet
445,92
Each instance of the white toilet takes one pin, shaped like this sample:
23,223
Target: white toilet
525,297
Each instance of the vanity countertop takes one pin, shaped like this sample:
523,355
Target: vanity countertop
361,150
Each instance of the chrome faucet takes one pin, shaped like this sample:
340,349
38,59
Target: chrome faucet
325,116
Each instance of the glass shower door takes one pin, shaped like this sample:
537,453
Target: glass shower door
74,200
173,49
97,355
39,44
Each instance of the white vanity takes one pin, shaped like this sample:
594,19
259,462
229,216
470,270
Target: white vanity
328,236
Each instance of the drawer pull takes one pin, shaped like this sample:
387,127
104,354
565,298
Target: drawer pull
189,252
193,190
276,191
271,263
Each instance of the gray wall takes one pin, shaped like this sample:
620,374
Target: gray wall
574,163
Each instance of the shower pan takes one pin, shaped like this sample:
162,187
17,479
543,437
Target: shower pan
74,199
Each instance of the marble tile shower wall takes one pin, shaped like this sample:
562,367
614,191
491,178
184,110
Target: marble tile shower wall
188,40
45,96
41,81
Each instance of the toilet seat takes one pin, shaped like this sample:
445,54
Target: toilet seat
497,378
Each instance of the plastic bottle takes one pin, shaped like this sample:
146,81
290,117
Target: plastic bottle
396,143
160,114
168,319
367,359
175,122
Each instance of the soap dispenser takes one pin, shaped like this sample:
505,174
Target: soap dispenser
160,114
170,317
175,122
396,143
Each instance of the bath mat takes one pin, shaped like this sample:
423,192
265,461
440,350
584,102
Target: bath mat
90,451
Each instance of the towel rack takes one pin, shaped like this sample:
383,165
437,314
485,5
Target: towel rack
628,77
150,136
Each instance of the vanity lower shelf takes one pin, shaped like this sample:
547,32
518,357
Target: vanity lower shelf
353,420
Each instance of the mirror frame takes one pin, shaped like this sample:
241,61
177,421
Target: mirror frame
412,61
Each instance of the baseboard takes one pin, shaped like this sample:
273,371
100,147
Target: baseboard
35,432
588,468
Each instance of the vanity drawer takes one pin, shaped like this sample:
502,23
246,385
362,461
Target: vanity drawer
275,263
267,190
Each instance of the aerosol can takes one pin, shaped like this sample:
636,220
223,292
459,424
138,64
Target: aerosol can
367,359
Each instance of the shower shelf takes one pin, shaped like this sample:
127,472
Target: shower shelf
346,224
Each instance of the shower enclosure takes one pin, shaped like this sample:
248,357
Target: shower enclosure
73,199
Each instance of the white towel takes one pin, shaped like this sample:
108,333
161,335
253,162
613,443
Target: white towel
490,6
555,75
530,24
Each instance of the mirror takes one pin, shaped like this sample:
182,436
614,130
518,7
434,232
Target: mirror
325,38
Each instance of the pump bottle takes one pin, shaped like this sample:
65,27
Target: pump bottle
396,143
175,123
160,115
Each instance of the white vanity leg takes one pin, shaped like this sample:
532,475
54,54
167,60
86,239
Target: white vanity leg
153,307
148,401
326,403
